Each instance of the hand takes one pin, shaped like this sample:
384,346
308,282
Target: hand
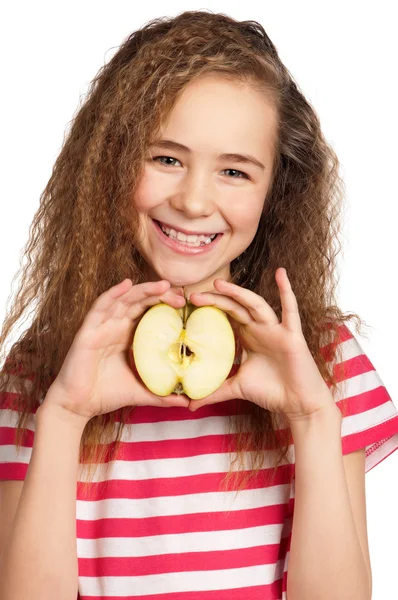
96,377
277,370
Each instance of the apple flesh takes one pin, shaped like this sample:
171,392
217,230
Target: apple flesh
188,350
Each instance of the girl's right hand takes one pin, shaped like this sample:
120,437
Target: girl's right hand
95,377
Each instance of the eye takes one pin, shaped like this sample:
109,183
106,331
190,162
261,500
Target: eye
242,174
157,157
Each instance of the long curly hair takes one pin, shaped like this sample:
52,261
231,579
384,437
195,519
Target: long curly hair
83,239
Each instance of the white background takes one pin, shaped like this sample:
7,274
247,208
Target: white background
343,55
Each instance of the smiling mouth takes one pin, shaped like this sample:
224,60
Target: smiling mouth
193,241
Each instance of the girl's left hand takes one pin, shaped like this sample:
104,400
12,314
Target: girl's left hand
277,370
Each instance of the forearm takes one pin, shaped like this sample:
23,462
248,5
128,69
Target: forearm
326,560
40,559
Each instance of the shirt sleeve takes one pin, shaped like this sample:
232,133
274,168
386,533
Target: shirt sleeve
14,461
370,418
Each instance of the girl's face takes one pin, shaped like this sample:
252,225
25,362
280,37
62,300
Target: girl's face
196,190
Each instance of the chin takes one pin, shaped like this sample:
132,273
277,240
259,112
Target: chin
178,275
181,281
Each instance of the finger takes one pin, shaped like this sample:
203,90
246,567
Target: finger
228,390
258,308
167,401
145,397
175,400
133,309
290,313
228,305
136,294
96,314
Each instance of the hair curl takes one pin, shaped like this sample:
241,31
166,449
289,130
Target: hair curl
83,239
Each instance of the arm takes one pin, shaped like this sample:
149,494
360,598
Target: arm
40,559
326,560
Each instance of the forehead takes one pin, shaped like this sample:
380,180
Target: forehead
217,115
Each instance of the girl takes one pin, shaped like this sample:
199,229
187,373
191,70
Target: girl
194,128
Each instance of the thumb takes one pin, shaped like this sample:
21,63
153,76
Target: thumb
178,290
228,390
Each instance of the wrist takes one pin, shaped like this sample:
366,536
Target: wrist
51,409
329,416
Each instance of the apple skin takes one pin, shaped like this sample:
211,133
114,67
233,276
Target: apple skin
159,356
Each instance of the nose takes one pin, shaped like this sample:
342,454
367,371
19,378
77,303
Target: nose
196,197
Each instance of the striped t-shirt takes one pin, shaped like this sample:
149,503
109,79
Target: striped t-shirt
159,526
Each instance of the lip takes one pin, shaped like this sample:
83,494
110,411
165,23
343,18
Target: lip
179,248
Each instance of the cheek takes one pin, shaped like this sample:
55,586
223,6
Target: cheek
245,215
147,194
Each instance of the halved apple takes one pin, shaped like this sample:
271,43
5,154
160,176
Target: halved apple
188,350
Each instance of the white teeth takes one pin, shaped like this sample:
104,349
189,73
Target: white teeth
189,240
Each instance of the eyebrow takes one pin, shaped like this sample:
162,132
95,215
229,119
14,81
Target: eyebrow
240,158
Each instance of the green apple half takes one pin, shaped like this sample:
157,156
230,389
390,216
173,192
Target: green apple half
186,350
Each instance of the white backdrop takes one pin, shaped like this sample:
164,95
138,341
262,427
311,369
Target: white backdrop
343,55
